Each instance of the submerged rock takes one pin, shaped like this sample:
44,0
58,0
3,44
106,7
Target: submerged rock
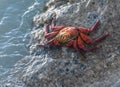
62,66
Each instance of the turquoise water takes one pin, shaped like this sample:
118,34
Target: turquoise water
15,25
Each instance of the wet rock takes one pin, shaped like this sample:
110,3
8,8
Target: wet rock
62,66
117,84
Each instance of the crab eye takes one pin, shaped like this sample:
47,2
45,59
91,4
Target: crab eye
61,37
64,38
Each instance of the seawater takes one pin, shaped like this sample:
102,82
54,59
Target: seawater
15,25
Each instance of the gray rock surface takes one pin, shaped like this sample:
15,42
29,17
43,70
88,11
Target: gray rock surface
62,66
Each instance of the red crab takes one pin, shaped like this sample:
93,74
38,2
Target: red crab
76,37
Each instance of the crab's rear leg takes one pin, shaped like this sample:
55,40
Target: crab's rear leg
87,30
89,40
79,44
100,38
76,47
91,48
82,46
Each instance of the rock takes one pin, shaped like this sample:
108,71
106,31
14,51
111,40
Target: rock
62,66
117,84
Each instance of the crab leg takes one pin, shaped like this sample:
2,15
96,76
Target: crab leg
54,43
87,30
55,29
53,24
100,38
75,45
91,48
89,40
47,31
82,46
49,42
95,26
80,43
48,35
47,28
86,38
58,28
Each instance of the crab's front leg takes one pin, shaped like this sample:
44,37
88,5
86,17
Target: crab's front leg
52,34
49,42
47,30
87,30
55,29
53,24
47,26
49,34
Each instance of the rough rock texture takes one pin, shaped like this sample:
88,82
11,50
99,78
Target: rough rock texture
62,66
